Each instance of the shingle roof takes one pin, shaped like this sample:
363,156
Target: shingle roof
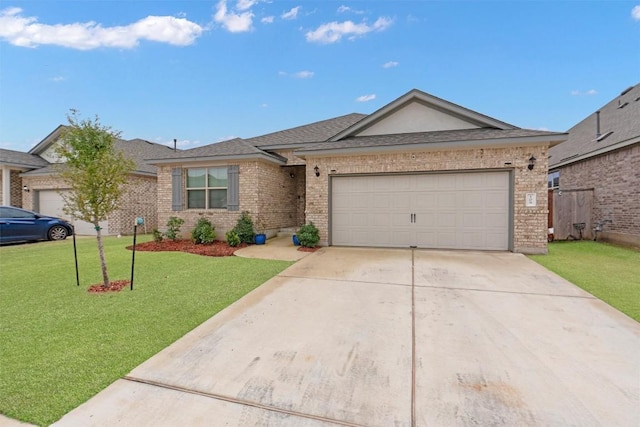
582,143
138,150
134,149
479,134
20,159
313,132
236,147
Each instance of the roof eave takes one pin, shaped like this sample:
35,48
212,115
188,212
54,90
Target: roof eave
17,165
603,150
444,145
52,137
232,157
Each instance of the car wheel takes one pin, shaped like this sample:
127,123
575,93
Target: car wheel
57,232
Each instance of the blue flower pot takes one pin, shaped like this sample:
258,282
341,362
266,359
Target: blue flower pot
295,239
260,239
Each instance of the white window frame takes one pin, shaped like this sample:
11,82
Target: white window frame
553,180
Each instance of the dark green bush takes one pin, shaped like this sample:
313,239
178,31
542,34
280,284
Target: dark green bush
244,228
173,227
232,238
308,235
157,235
204,232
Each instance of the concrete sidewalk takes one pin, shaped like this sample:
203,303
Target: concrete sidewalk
277,248
372,337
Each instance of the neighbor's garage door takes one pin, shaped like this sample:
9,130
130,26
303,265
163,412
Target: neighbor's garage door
444,210
51,203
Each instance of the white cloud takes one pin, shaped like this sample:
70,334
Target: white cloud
292,14
245,4
265,105
345,9
635,13
234,22
267,20
366,98
57,79
304,74
586,92
334,31
390,64
27,32
299,75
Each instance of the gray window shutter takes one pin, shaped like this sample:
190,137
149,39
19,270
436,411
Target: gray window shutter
176,189
233,189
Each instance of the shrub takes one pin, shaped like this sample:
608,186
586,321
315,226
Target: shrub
204,232
157,235
173,227
244,228
232,238
308,235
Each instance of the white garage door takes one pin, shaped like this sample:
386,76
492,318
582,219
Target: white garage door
444,210
51,203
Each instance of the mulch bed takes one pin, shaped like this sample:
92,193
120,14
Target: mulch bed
115,286
303,249
217,248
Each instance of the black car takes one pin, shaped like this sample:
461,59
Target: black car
18,225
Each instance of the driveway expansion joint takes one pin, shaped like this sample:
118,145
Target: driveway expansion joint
507,292
240,401
330,279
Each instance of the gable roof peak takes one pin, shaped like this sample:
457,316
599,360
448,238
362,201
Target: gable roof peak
444,107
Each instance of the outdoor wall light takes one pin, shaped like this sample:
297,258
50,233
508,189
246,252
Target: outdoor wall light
532,161
292,175
26,188
317,170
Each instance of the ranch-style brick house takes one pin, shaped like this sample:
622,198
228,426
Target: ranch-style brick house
30,181
419,172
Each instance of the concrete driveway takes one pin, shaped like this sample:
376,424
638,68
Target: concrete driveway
369,337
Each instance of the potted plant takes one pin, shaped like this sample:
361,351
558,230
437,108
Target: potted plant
260,237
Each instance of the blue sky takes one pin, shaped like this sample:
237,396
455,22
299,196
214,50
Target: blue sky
205,71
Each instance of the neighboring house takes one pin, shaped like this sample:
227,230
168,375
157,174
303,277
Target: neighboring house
419,172
602,156
33,184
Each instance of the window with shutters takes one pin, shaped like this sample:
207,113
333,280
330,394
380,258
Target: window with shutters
207,188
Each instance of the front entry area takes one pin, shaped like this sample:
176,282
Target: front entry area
461,210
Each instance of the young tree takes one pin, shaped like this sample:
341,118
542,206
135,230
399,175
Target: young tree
95,172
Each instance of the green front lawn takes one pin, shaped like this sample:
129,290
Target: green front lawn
611,273
60,345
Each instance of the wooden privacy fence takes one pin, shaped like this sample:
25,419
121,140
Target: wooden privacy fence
569,212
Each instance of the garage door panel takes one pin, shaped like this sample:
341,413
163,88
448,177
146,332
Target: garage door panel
446,210
51,203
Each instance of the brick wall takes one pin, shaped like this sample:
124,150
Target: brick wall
16,188
615,179
140,199
529,224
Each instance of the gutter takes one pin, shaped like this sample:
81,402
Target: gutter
236,157
480,143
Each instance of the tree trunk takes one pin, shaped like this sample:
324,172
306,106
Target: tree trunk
103,261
